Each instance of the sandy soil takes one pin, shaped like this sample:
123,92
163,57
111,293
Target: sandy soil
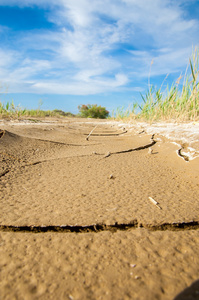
76,220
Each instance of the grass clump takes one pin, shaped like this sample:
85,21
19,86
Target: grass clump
179,102
174,102
10,110
121,113
93,111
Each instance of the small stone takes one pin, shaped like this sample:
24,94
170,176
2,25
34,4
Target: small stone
132,265
111,176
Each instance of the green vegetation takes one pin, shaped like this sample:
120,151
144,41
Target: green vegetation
93,111
9,110
121,113
63,113
173,102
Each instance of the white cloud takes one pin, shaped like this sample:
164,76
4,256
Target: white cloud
99,45
164,61
28,69
7,58
93,86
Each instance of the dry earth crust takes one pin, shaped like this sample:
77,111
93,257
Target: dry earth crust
76,220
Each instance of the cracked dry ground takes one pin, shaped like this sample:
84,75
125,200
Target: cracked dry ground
76,221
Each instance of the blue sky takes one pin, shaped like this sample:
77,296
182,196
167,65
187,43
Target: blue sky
71,52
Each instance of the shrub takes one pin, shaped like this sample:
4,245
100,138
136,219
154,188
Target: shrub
93,111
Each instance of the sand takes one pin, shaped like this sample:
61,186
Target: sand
76,220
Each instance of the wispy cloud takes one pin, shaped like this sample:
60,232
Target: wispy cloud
97,46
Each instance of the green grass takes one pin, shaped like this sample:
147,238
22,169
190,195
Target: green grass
176,102
121,113
9,110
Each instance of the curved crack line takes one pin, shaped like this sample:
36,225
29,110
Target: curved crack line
48,160
185,157
107,155
53,159
2,132
134,149
100,154
193,225
86,155
54,142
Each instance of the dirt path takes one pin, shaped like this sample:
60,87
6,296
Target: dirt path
93,210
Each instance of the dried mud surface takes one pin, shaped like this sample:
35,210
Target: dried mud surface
76,221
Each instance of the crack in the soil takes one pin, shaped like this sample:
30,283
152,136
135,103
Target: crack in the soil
185,157
59,143
54,159
153,142
2,132
193,225
101,154
4,173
